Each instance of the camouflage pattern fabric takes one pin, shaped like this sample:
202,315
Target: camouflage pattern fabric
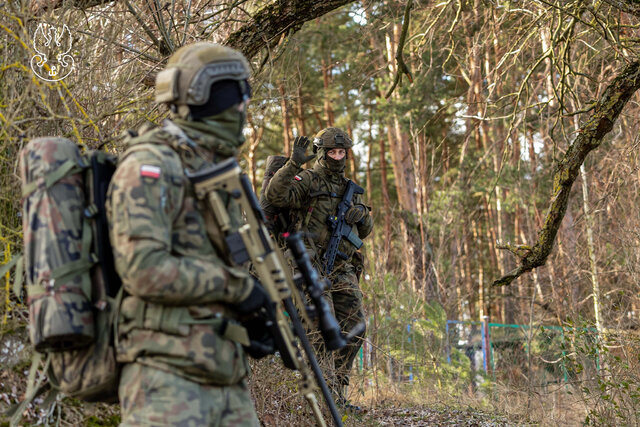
347,304
90,373
312,188
70,315
153,397
178,285
316,192
60,309
278,219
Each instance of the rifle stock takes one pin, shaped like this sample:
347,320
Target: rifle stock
252,242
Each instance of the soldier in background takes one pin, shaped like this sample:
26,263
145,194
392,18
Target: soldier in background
182,348
312,195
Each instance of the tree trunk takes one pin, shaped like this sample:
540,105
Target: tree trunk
353,162
326,81
300,118
369,158
386,201
286,122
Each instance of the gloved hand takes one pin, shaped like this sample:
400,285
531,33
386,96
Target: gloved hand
355,214
262,342
257,315
299,155
257,298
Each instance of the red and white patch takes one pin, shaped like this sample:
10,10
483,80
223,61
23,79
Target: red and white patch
150,171
297,178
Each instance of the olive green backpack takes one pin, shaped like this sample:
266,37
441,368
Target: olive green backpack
278,219
73,291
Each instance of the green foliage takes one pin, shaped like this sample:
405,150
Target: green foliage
411,333
111,421
602,375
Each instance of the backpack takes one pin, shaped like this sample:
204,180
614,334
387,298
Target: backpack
278,220
72,287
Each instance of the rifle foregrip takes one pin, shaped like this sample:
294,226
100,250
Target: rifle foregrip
355,240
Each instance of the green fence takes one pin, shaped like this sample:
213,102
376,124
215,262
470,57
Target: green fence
535,356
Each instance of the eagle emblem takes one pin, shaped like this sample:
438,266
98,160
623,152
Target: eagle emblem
52,62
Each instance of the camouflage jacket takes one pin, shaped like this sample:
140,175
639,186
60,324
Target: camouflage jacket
313,195
178,285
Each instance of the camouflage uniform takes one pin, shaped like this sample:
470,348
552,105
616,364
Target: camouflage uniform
313,195
183,367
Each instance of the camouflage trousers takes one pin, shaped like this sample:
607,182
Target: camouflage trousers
152,397
345,297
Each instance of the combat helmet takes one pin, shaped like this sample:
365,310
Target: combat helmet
192,72
329,138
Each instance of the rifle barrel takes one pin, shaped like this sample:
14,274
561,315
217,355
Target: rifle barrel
317,372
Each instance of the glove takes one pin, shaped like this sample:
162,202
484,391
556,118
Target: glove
257,315
299,155
257,298
262,342
355,214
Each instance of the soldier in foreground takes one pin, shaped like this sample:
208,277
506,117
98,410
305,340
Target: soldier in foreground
182,349
313,196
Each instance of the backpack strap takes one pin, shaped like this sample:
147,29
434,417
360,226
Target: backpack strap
8,266
17,262
19,280
67,168
317,194
72,269
87,259
314,195
34,389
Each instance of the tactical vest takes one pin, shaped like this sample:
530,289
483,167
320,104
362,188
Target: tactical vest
324,197
156,334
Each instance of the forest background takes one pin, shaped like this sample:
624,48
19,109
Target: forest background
498,145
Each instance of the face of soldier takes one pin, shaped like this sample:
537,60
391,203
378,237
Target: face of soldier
334,159
337,153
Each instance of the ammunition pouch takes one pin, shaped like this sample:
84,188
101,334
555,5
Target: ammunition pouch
138,314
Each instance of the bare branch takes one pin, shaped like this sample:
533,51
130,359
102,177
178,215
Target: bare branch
265,28
628,6
39,6
402,67
590,136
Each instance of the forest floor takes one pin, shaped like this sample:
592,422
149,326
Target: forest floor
106,415
436,417
394,410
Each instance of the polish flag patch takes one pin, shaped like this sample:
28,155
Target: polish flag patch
150,171
297,178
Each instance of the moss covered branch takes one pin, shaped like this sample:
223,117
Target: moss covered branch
278,18
590,137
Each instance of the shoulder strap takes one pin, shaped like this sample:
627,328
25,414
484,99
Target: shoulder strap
313,195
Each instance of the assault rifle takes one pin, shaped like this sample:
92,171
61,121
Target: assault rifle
252,242
339,229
